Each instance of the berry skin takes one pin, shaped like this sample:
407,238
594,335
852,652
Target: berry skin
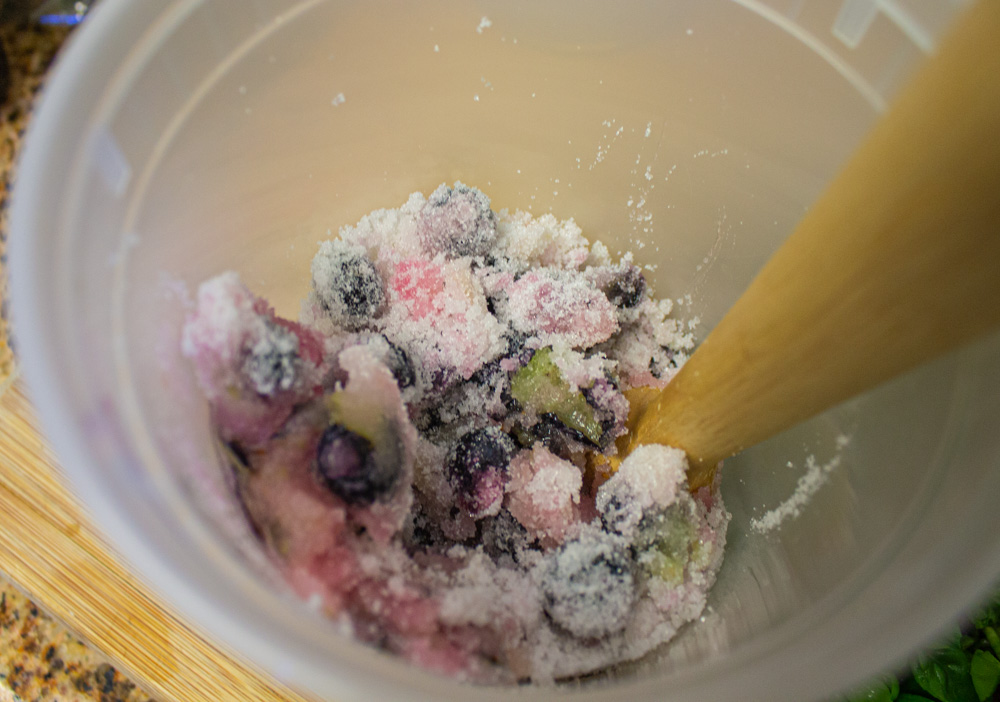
272,362
477,470
347,284
588,588
627,289
398,361
556,436
348,465
610,409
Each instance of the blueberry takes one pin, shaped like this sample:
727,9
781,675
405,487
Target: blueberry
421,533
427,419
516,346
503,538
349,466
270,364
662,361
620,511
458,222
492,377
400,364
557,437
477,469
488,383
588,587
627,288
347,284
604,397
490,373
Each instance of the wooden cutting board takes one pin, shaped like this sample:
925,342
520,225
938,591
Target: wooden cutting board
49,548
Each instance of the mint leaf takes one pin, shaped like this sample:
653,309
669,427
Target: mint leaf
946,675
906,697
990,616
993,639
985,670
883,690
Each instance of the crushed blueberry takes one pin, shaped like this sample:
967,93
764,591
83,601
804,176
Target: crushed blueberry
401,366
422,533
477,469
627,288
556,436
516,347
349,466
503,538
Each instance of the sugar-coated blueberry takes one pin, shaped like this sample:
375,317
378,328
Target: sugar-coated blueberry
458,222
347,284
348,465
271,361
589,587
477,469
627,288
504,539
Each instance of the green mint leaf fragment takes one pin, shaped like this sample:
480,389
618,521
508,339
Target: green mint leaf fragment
906,697
993,638
990,616
985,670
946,676
882,690
540,386
893,686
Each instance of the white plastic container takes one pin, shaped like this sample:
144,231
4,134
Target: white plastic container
181,138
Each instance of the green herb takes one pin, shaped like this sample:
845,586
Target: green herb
882,690
985,669
965,669
993,639
990,616
946,675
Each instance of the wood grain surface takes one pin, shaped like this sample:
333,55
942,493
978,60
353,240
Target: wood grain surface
50,549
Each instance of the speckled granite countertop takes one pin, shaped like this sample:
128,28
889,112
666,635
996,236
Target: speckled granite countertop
40,659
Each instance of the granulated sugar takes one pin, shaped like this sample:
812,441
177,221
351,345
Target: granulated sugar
811,481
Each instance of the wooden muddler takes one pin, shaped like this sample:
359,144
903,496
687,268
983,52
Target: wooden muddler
898,262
